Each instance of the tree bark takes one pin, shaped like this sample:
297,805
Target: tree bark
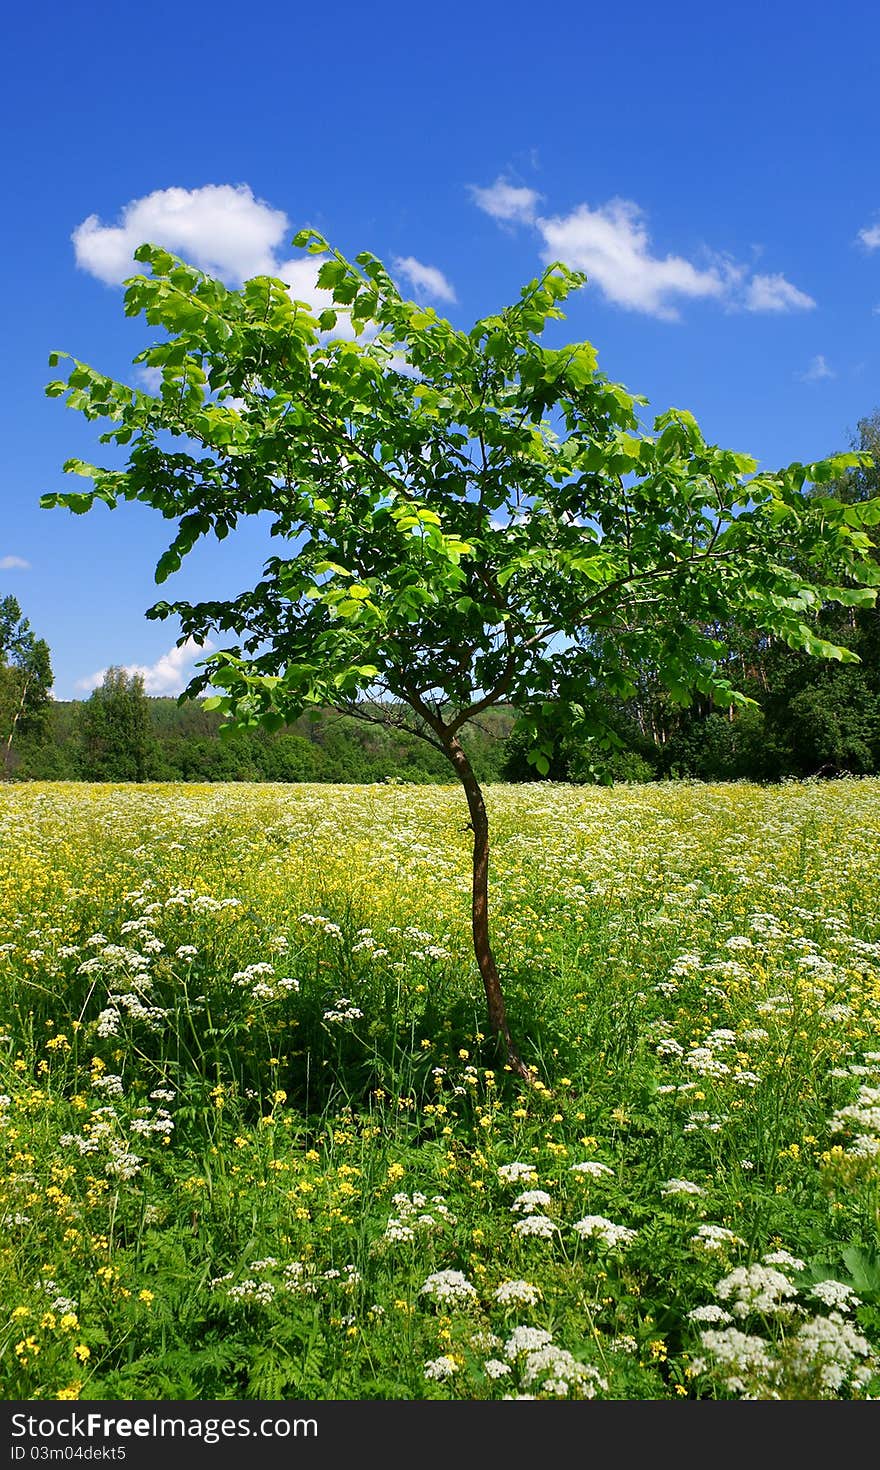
480,903
7,753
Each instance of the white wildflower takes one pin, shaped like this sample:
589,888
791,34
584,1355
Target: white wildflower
740,1356
526,1340
784,1258
517,1291
756,1289
557,1371
531,1201
835,1294
605,1230
440,1368
494,1368
715,1238
832,1347
448,1287
512,1173
540,1225
710,1313
397,1230
592,1168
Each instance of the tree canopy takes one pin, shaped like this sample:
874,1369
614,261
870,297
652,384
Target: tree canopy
115,731
465,517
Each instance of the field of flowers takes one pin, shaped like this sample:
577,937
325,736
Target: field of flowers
257,1146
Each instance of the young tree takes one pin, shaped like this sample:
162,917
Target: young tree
465,517
25,678
115,732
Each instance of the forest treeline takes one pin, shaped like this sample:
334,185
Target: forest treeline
120,734
809,718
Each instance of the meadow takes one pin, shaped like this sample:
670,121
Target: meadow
257,1144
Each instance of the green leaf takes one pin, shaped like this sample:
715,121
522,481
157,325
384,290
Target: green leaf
864,1268
853,596
331,273
863,513
582,365
168,562
304,238
332,566
595,568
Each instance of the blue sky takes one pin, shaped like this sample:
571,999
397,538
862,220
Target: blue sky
715,170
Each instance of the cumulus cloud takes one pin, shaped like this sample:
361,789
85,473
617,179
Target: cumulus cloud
612,245
776,294
168,675
818,369
426,280
222,228
14,564
149,378
870,236
510,203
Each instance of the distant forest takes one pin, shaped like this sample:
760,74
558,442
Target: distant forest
810,718
83,741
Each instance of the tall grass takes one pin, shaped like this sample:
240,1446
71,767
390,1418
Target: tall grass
257,1144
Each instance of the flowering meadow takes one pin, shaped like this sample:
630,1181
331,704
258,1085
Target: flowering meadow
257,1145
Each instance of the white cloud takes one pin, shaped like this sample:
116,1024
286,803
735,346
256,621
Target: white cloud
509,203
150,378
775,293
426,280
167,675
300,276
818,369
611,244
222,228
870,236
14,564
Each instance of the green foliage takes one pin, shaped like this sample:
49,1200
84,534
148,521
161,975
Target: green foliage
826,720
184,744
718,747
861,482
115,736
582,760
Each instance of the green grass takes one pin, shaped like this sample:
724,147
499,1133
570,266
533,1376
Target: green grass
693,973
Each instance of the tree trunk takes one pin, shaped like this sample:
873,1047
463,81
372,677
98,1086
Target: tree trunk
480,904
7,753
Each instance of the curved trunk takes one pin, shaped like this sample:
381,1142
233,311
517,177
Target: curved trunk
480,903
